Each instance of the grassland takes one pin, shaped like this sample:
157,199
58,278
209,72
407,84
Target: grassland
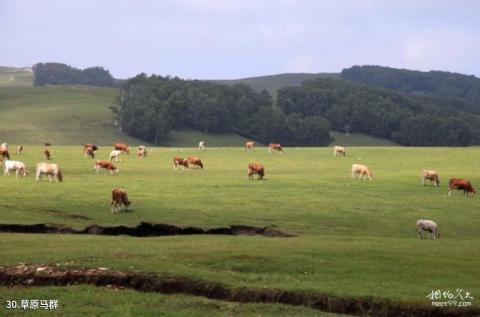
359,139
354,238
15,77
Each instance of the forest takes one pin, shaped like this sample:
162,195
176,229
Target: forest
62,74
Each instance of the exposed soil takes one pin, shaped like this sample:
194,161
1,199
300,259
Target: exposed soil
144,229
45,275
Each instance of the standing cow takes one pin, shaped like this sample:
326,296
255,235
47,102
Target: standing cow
119,197
461,184
107,165
89,152
180,161
431,176
115,154
362,170
250,145
275,147
18,167
256,168
201,145
340,150
20,149
4,155
122,147
195,161
47,154
427,225
141,151
49,170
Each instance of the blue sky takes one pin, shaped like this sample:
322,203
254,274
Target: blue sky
209,39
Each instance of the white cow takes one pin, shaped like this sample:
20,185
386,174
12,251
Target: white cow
18,167
115,155
362,171
339,150
4,147
201,145
50,170
427,225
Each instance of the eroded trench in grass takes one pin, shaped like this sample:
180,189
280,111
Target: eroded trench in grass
48,275
144,229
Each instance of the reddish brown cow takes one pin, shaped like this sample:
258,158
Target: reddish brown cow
256,168
179,161
461,184
275,147
195,161
90,145
119,197
106,165
47,154
4,155
89,152
122,147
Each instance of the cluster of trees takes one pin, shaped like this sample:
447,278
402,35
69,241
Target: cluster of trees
62,74
460,89
406,119
149,107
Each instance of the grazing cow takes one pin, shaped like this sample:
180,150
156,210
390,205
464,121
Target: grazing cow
250,146
461,184
47,155
122,147
107,165
115,154
256,168
50,170
4,155
89,152
201,145
119,197
20,149
275,147
141,151
339,150
4,147
427,225
430,175
180,161
16,166
362,171
90,145
195,161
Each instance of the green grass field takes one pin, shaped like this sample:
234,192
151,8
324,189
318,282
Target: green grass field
354,238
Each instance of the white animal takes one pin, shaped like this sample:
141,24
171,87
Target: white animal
18,167
49,169
362,171
339,150
4,147
115,154
201,145
427,225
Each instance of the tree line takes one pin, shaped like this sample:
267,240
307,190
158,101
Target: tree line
150,107
406,119
62,74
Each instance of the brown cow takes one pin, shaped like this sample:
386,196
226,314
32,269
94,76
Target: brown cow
47,154
461,184
19,149
141,151
89,152
106,165
195,161
250,145
256,168
119,197
275,147
122,147
4,155
180,161
90,145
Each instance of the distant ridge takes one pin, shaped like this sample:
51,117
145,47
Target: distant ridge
273,82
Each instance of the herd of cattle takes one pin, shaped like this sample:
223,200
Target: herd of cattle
119,195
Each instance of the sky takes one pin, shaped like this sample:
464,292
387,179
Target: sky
227,39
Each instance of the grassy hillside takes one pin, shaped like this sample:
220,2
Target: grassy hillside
59,114
15,77
359,139
354,237
273,82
